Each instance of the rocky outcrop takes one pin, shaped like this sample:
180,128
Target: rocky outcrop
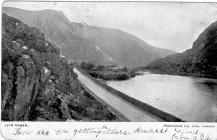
200,60
39,84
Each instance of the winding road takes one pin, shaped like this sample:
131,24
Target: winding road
119,106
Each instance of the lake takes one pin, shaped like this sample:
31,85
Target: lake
189,98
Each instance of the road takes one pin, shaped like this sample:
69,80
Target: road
123,107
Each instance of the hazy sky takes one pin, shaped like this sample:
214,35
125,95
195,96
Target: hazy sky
166,25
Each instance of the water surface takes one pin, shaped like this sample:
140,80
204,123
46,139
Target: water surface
189,98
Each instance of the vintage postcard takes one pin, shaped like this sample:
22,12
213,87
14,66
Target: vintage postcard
109,70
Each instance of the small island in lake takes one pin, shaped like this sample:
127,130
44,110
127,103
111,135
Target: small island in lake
111,72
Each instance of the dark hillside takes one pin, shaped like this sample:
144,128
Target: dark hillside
38,84
200,60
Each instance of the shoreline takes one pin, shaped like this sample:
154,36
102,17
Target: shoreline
150,109
193,75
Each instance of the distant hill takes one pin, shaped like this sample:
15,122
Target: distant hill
200,60
79,41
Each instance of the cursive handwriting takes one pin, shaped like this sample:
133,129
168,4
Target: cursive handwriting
178,133
183,134
61,131
19,131
101,131
140,130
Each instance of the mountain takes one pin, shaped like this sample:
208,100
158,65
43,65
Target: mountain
58,31
79,41
122,47
200,60
37,84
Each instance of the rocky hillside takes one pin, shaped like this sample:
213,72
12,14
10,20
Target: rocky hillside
200,60
79,41
39,84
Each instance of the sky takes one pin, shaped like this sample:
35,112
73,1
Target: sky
169,25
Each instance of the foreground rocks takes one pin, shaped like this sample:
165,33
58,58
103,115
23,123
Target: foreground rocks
38,84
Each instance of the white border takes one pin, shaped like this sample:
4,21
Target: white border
175,131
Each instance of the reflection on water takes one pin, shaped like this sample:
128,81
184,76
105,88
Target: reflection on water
206,84
189,98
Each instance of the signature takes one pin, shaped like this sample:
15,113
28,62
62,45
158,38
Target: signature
185,134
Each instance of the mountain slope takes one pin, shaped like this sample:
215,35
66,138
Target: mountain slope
38,84
123,47
79,41
58,31
200,60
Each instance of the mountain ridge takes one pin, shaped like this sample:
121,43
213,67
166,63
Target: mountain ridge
199,61
124,49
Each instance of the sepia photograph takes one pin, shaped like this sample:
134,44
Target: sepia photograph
109,61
